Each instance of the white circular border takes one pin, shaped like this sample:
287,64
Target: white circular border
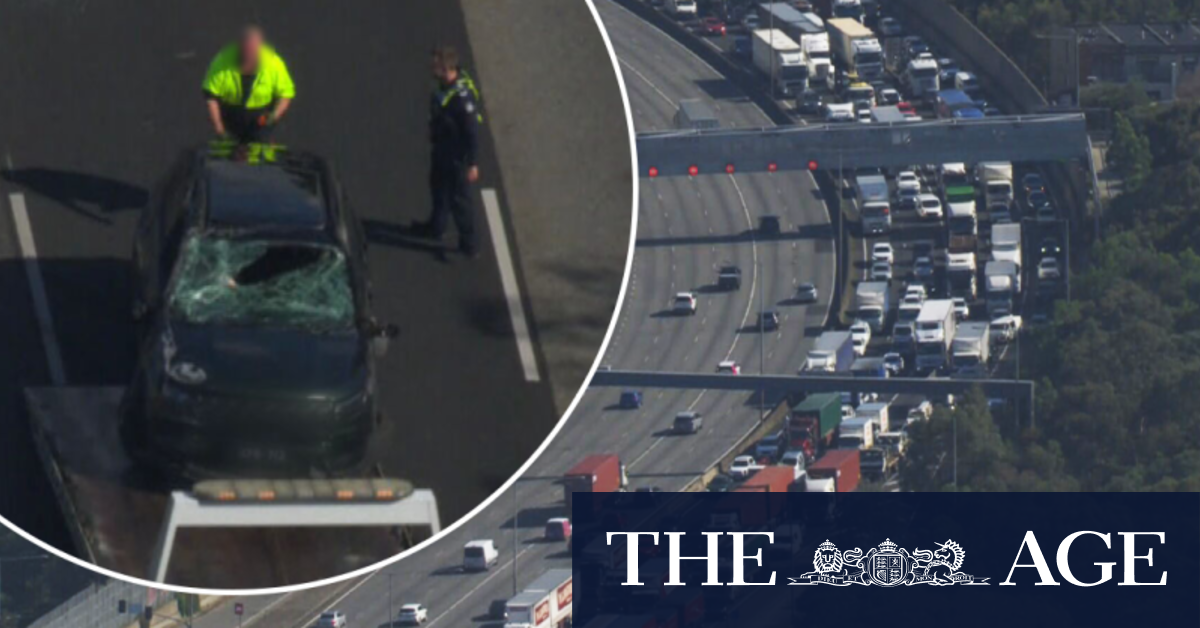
495,495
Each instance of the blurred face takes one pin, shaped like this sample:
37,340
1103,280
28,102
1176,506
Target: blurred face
441,72
250,47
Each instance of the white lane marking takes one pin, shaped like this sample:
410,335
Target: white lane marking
508,277
648,82
37,289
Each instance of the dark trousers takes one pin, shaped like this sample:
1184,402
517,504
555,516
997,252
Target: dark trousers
242,124
452,197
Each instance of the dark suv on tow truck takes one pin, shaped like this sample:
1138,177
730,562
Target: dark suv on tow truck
255,340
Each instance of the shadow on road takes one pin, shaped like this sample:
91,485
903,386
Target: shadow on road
88,195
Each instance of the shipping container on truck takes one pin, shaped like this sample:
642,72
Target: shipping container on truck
1006,245
838,465
544,603
1000,287
597,473
996,179
743,510
962,226
782,61
771,479
811,423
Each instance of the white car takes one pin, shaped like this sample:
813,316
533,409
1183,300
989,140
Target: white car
962,311
685,303
839,112
881,271
864,116
729,366
914,292
882,252
332,619
414,614
889,96
795,459
860,335
908,180
743,467
1048,269
929,206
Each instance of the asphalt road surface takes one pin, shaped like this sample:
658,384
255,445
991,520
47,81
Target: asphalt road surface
100,97
685,228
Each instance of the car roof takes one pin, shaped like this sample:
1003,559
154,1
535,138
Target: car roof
274,187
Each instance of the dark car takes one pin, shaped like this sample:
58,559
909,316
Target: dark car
255,340
729,277
631,399
768,321
721,483
810,102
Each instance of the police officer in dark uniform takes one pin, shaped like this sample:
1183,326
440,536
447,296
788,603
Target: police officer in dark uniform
454,131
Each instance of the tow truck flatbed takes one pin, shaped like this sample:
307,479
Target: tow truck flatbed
119,516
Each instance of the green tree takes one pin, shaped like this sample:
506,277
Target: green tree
1129,153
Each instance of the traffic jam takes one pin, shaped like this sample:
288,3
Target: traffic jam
948,261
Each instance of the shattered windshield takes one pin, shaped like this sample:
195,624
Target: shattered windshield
249,282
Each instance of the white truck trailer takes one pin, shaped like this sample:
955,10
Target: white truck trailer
781,59
545,603
970,350
874,203
935,329
872,302
856,47
996,179
922,78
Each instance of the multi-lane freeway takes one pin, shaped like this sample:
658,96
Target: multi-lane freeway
687,227
100,98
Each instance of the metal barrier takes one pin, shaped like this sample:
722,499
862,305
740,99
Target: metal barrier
1002,138
96,606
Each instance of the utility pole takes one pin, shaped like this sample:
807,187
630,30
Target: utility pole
515,513
954,420
762,343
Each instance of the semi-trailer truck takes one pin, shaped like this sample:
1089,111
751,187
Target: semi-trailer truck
872,302
873,203
962,226
812,423
1006,244
597,473
545,603
856,47
1001,281
836,472
877,411
781,59
922,78
832,352
961,273
934,331
996,179
970,351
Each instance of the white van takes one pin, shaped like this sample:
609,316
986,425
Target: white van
480,555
